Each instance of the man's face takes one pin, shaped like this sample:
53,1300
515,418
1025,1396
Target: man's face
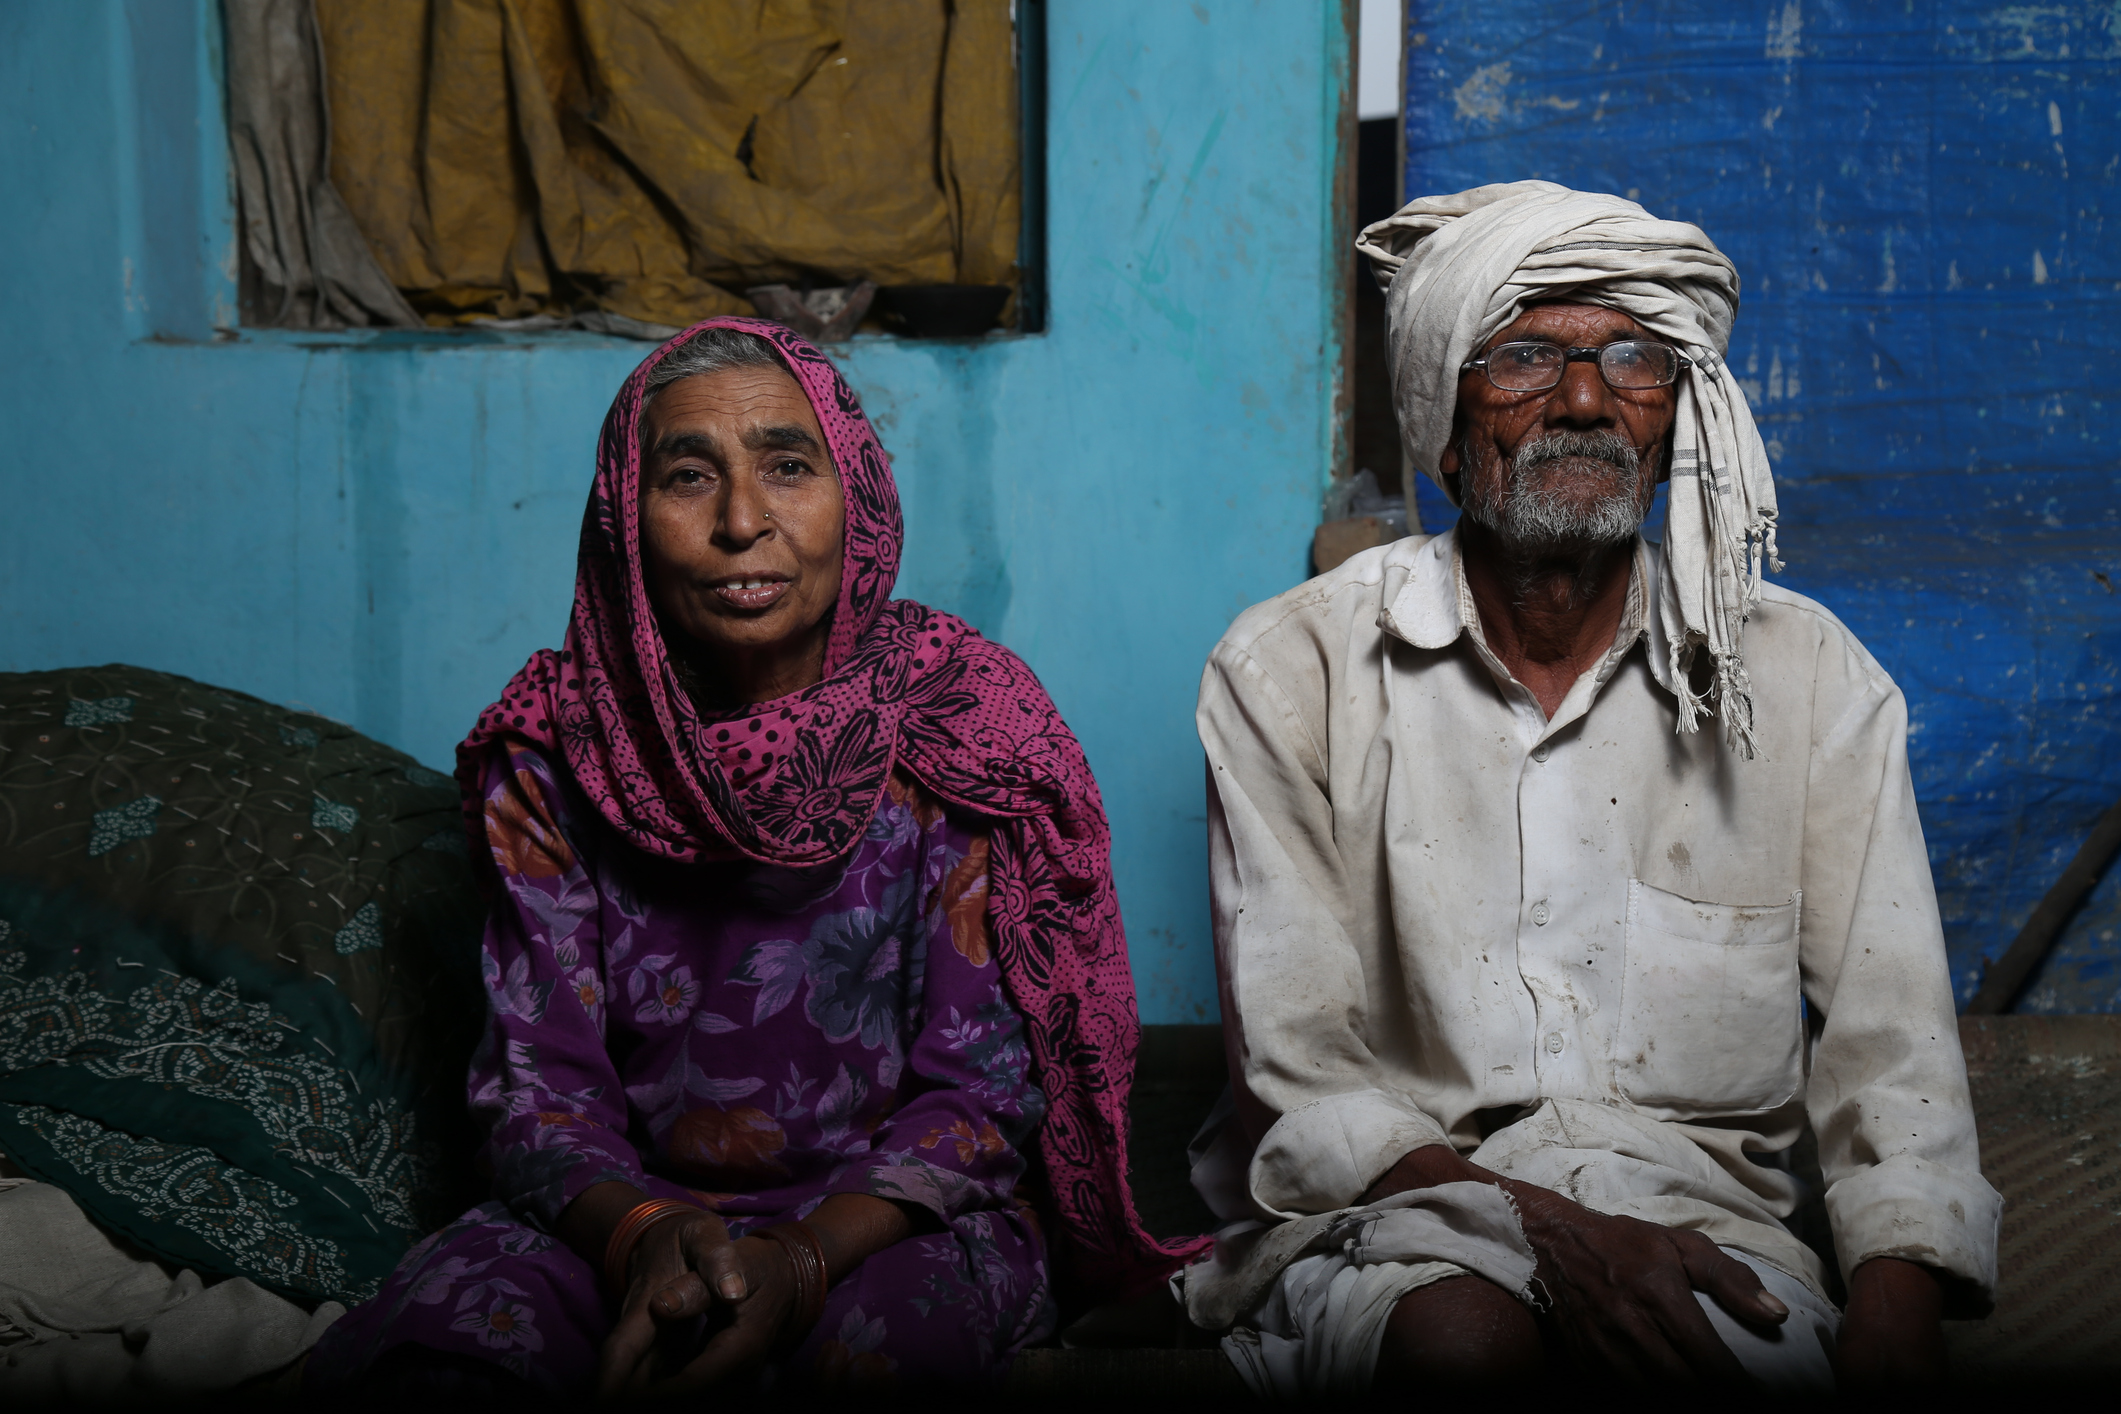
1572,467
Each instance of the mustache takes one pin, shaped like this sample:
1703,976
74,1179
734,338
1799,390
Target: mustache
1597,445
1543,519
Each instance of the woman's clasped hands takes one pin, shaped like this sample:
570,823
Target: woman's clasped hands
698,1308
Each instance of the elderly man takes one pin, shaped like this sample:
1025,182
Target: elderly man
1532,987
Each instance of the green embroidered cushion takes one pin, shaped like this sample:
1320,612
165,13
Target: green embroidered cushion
238,976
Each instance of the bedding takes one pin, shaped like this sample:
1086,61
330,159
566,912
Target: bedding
238,978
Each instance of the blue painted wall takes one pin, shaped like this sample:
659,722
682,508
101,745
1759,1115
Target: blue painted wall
382,527
1916,194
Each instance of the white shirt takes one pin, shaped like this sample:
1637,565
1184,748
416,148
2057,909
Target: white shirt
1642,959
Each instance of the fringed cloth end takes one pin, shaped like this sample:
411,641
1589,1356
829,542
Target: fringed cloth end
1729,696
1759,545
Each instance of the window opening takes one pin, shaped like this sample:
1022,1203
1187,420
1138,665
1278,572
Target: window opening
532,164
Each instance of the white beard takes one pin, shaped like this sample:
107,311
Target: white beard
1536,519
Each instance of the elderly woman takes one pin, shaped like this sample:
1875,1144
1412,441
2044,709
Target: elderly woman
812,1023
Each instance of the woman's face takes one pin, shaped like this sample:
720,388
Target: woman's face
742,524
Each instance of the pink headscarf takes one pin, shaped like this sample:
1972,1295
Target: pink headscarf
798,780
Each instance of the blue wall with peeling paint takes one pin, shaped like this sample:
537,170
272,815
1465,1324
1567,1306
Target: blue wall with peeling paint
1916,194
382,527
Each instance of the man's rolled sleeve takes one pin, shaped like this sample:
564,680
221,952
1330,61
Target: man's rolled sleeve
1920,1211
1888,1096
1325,1154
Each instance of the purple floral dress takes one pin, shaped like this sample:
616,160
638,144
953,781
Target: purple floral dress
747,1038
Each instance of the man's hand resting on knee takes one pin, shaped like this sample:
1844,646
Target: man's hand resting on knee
1623,1289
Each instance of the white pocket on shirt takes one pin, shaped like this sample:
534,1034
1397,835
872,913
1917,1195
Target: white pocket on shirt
1710,1005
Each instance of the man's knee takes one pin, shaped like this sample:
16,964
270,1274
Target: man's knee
1459,1330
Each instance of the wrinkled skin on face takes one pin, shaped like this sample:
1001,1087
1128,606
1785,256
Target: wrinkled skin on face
1493,426
742,529
1550,580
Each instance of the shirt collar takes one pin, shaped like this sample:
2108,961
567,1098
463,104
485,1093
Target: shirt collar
1435,605
1426,612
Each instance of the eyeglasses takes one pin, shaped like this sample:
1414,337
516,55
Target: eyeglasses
1631,364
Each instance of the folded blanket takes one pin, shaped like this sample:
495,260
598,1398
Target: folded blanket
238,977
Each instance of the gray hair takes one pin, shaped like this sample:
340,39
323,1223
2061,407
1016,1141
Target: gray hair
1538,518
712,351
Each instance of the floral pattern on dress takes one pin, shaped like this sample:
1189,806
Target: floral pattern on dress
747,1038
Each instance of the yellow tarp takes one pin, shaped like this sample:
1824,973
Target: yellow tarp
657,157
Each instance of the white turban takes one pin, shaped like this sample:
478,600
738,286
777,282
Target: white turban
1458,269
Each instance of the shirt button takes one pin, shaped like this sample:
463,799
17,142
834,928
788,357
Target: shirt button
1541,752
1540,914
1554,1043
